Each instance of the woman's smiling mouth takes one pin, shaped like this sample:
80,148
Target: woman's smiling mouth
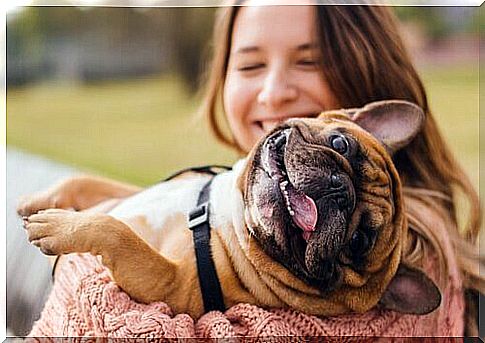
269,124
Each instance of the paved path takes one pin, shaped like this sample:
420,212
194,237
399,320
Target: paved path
28,271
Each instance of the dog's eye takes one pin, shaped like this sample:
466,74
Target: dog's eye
339,144
359,243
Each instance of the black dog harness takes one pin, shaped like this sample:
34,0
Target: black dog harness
199,224
198,220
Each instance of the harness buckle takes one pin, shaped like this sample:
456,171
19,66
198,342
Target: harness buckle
199,215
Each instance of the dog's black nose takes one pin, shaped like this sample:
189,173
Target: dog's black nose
336,181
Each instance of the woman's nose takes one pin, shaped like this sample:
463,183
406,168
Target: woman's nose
277,89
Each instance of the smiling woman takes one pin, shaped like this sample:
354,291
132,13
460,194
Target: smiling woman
273,71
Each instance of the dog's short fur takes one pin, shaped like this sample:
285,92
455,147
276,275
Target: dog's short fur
312,219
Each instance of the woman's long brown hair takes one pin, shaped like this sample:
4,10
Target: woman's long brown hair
364,60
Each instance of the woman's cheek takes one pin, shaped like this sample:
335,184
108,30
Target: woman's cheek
237,105
232,105
232,88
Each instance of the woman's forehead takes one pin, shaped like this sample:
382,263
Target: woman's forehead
262,26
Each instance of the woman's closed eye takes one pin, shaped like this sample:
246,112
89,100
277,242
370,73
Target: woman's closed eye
308,63
250,67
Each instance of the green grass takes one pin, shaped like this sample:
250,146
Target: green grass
141,131
138,131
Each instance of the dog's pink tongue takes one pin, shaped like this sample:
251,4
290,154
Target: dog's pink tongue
305,211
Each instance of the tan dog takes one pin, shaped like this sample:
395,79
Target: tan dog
312,219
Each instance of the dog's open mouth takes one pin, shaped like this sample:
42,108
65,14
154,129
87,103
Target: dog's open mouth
301,207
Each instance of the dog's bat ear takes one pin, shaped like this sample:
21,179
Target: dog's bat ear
412,292
394,122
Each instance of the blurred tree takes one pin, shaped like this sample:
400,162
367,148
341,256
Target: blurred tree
115,34
24,48
191,36
431,18
439,22
22,35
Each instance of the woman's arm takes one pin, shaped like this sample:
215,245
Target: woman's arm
78,193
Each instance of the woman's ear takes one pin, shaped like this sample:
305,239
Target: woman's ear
394,122
412,292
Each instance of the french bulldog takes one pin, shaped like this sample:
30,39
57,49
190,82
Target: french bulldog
312,219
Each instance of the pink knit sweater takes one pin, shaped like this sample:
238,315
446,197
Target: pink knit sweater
86,302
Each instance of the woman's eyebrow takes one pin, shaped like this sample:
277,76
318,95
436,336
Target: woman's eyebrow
307,46
247,49
254,48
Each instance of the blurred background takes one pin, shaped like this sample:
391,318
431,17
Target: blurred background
114,91
110,90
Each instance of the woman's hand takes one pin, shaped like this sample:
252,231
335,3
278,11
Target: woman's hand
77,193
58,196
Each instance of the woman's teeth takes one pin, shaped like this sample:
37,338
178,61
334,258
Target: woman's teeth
269,125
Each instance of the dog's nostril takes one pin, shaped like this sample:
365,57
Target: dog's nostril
335,181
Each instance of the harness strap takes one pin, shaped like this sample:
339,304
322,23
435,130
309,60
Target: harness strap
208,280
212,169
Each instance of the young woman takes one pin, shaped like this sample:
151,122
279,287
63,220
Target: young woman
276,62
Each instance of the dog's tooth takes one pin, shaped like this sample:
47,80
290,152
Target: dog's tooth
266,166
287,200
284,183
291,213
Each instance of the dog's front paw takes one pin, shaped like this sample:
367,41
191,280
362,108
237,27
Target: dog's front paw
57,231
